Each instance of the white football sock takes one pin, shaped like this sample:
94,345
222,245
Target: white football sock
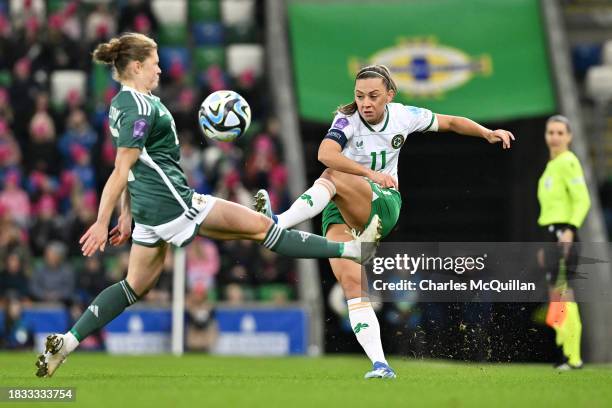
71,342
311,203
366,328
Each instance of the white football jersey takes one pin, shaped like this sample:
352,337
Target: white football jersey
377,146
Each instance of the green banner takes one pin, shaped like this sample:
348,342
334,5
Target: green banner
484,59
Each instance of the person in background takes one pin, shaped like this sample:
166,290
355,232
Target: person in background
53,281
13,277
564,204
16,333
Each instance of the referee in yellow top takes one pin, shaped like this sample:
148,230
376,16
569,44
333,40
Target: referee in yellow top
564,204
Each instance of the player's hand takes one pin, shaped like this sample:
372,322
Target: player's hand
94,239
500,135
384,180
122,231
565,241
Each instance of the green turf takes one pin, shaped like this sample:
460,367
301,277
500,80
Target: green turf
203,381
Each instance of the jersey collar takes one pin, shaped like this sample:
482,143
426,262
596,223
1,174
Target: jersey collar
129,88
386,121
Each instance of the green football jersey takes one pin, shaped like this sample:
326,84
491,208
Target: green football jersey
158,186
562,192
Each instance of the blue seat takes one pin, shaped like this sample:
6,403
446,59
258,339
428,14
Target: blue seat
585,56
171,55
207,33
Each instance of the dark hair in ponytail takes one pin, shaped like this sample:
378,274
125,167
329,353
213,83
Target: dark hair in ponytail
120,51
370,71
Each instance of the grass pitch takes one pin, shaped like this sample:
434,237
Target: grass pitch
194,380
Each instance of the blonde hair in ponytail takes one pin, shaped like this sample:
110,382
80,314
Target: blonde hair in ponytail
122,50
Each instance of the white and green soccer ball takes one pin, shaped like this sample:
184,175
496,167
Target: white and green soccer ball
224,116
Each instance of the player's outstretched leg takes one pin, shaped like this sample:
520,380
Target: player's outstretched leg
229,220
143,271
308,205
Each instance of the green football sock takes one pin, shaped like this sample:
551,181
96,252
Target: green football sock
300,244
104,308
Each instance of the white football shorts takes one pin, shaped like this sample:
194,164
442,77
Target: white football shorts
180,231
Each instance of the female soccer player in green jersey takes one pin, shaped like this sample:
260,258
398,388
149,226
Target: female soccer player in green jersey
564,204
361,152
164,208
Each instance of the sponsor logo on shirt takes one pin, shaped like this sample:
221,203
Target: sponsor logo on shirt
139,129
359,144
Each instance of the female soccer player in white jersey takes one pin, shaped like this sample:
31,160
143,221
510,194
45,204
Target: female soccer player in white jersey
156,196
361,151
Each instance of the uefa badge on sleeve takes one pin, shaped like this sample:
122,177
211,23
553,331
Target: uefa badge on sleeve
139,129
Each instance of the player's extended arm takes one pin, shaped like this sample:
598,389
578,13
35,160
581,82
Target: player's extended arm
467,127
330,154
96,236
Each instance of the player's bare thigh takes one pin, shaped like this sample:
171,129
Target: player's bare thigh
145,266
353,197
347,272
228,220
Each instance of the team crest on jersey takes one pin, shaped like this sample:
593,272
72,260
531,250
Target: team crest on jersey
423,68
397,141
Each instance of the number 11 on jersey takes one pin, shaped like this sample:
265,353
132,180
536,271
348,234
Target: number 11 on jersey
383,155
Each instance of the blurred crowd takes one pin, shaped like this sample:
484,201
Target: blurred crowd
56,154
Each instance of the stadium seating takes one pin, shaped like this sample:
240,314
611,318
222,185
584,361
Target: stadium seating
237,12
172,55
204,57
207,33
607,53
18,7
173,34
193,36
100,81
204,10
65,81
584,56
243,57
599,82
170,11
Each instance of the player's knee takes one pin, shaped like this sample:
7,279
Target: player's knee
329,174
351,283
327,184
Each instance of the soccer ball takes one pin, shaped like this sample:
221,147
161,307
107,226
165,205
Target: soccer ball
224,116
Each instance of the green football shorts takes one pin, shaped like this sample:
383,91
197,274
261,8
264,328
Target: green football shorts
387,205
